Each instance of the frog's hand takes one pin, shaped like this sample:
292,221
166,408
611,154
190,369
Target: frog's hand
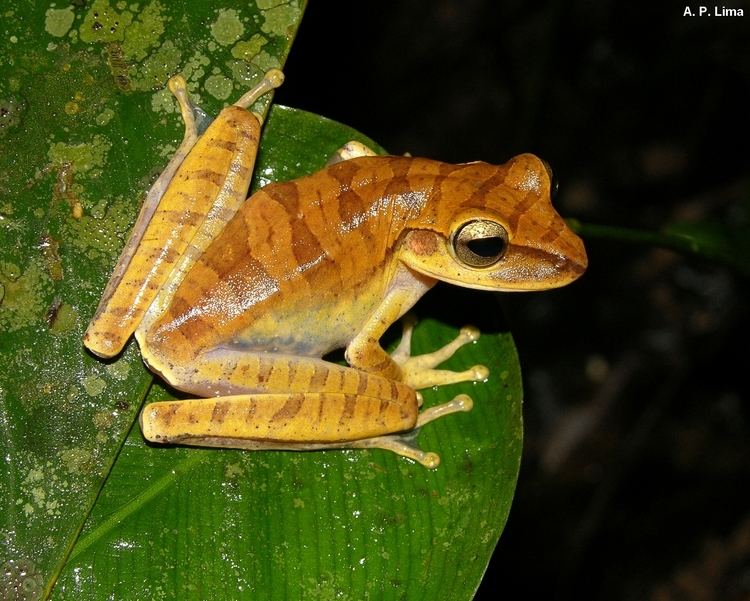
205,184
297,421
418,371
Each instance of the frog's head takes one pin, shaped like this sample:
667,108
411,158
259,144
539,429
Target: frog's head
503,235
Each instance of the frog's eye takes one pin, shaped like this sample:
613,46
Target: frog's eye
480,243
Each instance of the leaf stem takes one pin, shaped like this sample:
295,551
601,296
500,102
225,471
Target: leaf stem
637,236
194,458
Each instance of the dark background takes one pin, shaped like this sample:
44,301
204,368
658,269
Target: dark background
637,453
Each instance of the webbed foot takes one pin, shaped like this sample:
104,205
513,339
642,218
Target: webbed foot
404,443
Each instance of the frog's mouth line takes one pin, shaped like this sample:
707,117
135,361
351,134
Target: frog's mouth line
562,265
522,269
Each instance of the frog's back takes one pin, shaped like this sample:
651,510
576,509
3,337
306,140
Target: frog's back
302,263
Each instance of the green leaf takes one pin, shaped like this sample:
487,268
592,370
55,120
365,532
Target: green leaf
85,123
174,522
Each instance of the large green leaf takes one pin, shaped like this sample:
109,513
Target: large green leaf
76,154
84,125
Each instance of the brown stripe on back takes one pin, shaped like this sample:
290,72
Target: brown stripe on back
224,258
394,390
119,310
321,412
336,378
397,186
194,328
350,207
238,168
184,215
250,409
305,244
286,194
446,169
362,384
344,172
248,135
292,370
383,411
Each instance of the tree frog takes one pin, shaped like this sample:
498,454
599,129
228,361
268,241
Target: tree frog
236,301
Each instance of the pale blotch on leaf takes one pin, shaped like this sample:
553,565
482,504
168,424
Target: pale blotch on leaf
104,117
103,23
11,112
228,27
219,86
265,61
233,471
57,21
65,319
280,19
243,72
162,101
77,460
23,301
34,474
166,150
94,385
84,157
21,578
246,50
105,235
119,370
103,420
157,68
144,33
194,69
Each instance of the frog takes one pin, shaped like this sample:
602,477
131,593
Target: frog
238,301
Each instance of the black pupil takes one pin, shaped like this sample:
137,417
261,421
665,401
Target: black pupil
486,247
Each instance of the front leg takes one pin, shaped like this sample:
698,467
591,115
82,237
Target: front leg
365,353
